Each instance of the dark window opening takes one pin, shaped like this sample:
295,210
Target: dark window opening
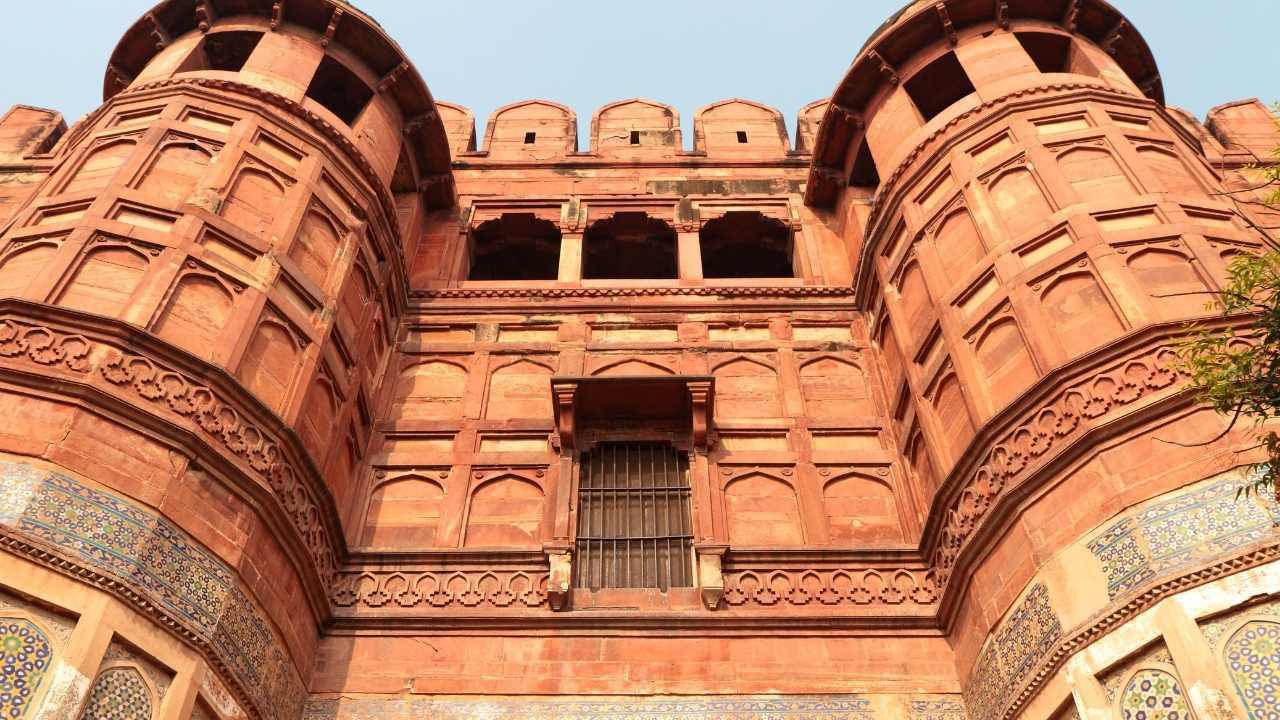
227,51
339,90
864,173
529,137
1051,53
635,137
746,245
938,86
516,246
742,136
629,246
635,528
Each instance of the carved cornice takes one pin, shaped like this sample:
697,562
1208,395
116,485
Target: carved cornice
699,291
233,425
858,587
480,587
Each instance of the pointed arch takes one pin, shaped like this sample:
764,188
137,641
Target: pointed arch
1018,199
100,165
952,411
1252,658
270,362
632,367
1153,687
316,245
176,170
1172,282
198,309
320,410
959,244
835,387
860,510
505,511
746,388
762,510
430,390
520,388
253,200
26,656
1095,174
119,691
1079,308
19,268
105,280
404,512
1006,363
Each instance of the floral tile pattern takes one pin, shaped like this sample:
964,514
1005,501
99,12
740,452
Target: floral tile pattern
1154,694
25,656
1029,632
114,536
1170,535
1253,662
118,694
798,707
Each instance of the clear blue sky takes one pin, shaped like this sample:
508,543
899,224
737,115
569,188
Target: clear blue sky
584,53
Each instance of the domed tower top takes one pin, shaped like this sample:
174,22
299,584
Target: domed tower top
942,51
325,55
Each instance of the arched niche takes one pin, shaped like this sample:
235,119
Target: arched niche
519,389
746,388
862,510
762,511
515,246
431,390
629,246
746,244
505,511
404,513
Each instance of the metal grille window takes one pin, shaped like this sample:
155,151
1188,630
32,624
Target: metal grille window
634,524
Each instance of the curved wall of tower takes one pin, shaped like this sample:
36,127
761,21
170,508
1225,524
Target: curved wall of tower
322,408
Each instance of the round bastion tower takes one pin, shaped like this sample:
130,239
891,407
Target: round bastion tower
1031,228
198,304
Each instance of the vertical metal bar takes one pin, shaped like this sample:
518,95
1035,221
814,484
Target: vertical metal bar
625,508
598,484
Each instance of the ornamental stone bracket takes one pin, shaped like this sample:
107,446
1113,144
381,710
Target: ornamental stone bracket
711,572
584,401
560,580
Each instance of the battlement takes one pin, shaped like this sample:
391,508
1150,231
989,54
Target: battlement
635,129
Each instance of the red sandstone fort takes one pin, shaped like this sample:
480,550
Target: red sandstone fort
319,406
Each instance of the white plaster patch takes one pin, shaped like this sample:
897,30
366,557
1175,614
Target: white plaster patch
67,691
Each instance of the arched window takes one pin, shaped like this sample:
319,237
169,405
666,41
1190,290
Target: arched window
746,245
516,246
629,246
